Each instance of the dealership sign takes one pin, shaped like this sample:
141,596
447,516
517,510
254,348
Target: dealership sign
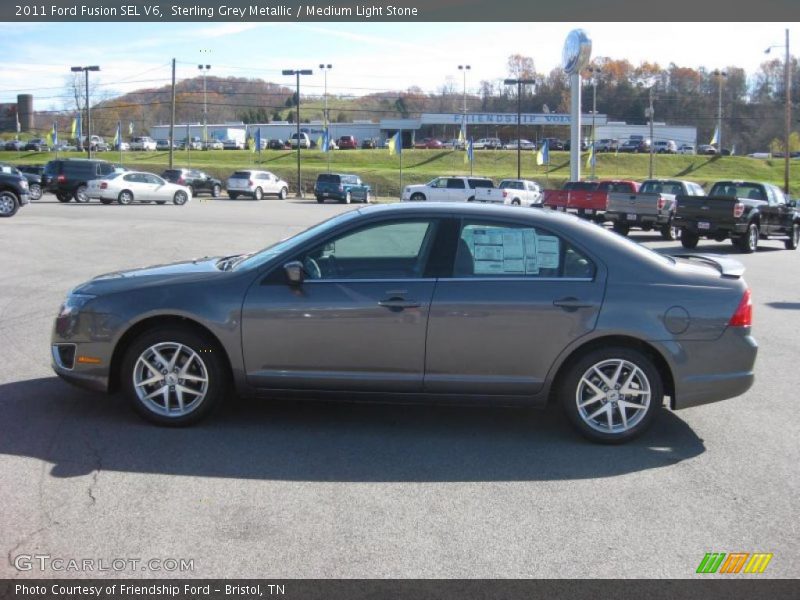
505,119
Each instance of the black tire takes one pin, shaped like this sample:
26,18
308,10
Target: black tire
747,243
258,194
794,237
233,195
367,198
80,194
161,201
515,202
9,203
210,357
621,228
471,199
106,201
669,232
63,197
689,239
283,194
180,198
125,197
216,191
320,200
417,197
572,392
35,191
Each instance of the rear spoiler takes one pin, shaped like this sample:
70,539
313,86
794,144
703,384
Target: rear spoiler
727,267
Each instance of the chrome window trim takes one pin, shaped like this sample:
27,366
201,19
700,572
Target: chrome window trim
371,280
516,278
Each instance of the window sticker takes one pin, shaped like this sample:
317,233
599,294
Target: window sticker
547,252
507,251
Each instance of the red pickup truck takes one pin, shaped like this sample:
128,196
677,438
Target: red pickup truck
589,199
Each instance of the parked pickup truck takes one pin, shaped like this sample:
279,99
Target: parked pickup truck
652,207
743,211
517,192
446,189
588,199
342,188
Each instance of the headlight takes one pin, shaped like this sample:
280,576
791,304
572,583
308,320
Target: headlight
73,304
23,184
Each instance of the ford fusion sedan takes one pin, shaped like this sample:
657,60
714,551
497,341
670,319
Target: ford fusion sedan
422,302
135,186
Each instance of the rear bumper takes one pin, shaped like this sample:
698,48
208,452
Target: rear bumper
640,219
714,228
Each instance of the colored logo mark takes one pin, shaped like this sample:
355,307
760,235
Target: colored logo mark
735,562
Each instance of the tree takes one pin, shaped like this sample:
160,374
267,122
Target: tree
520,67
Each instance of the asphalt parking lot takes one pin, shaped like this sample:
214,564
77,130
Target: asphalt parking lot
283,489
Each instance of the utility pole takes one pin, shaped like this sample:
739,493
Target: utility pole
172,121
464,69
650,113
326,118
88,106
204,69
519,83
594,71
788,84
298,72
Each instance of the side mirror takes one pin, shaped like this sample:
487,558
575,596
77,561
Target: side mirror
294,272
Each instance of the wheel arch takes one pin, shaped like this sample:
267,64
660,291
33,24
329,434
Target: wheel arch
605,341
160,321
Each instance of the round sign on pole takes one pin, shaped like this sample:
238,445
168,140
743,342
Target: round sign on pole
577,51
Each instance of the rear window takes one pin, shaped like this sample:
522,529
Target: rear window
511,185
328,178
738,190
619,187
584,186
170,173
661,187
241,175
481,183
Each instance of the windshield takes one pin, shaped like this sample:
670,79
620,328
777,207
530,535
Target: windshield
250,261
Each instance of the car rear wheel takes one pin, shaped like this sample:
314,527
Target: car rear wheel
180,198
670,232
621,228
9,205
283,193
161,201
106,201
80,194
232,195
320,199
515,202
794,237
611,395
35,191
258,194
216,191
747,243
347,198
62,197
125,197
367,198
689,239
173,376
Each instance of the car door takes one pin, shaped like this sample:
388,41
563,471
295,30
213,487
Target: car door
158,189
357,322
517,296
270,183
778,212
437,190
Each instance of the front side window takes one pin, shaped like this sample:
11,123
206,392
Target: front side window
496,250
438,183
455,184
396,250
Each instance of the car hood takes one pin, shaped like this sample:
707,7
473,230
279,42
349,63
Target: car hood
180,272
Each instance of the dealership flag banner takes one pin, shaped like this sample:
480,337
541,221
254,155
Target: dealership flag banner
257,141
396,147
543,155
591,160
715,137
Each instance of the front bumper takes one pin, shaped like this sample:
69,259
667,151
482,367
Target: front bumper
90,376
24,199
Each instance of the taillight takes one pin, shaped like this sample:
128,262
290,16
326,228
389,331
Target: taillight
505,193
103,185
743,317
61,179
180,181
738,210
341,188
250,183
661,202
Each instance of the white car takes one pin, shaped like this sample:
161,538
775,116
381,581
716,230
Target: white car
136,186
143,143
446,189
305,141
487,144
523,145
256,184
232,145
686,149
213,145
516,192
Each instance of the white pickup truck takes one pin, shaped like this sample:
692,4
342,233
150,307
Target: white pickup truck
518,192
446,189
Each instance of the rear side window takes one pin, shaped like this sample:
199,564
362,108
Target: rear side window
480,183
497,250
455,184
241,175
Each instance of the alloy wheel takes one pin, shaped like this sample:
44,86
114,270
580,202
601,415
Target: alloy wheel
170,379
613,396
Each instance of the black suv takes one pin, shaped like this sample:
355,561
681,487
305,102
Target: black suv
197,181
34,180
67,178
13,193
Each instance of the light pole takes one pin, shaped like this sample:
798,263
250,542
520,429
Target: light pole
297,73
204,69
787,84
88,106
325,119
720,75
651,114
464,69
594,72
519,83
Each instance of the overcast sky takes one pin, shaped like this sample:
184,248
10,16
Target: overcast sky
366,57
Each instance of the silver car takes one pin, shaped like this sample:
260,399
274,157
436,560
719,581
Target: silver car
429,302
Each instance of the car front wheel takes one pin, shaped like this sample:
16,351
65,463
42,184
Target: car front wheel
258,194
35,191
9,205
611,395
794,237
283,193
417,197
216,191
173,376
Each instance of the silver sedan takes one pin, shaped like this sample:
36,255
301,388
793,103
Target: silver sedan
135,186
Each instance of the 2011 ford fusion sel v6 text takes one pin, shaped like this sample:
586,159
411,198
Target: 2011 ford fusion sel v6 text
428,302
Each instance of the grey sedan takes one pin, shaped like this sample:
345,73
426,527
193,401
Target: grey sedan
431,302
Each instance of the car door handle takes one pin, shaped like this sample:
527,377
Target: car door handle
571,304
397,303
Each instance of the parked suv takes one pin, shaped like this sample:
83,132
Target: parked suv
144,143
37,145
341,187
347,142
256,184
34,179
665,147
67,178
13,193
305,141
197,181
